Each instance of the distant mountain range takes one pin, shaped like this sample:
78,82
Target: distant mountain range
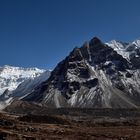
17,82
95,75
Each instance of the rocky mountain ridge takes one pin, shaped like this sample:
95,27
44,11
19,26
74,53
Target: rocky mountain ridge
96,75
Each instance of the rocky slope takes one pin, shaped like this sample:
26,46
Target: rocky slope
70,124
96,75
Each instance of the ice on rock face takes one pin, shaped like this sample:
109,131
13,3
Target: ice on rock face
17,82
137,43
11,77
28,85
125,49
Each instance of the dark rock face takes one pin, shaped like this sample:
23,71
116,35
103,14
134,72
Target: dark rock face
94,75
134,56
129,75
136,62
95,41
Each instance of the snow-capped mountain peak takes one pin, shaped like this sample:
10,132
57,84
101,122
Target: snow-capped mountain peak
16,82
11,77
128,50
136,42
95,75
98,75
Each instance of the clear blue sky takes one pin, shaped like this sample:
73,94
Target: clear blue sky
42,32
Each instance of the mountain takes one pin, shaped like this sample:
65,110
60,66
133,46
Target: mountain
95,75
28,85
15,81
130,51
11,77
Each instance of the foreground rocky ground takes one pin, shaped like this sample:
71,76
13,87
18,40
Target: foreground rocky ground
72,124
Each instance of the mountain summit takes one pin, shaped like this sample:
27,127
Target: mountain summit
17,82
95,75
11,77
